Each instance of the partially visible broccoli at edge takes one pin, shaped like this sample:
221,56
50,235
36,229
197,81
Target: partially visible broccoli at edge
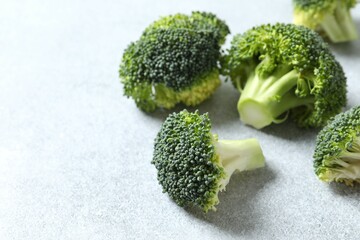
332,17
193,165
285,70
337,152
175,60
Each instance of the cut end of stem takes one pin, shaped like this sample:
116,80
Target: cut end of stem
254,114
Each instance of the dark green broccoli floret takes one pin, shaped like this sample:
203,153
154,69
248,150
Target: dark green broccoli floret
283,70
337,152
175,60
193,165
330,17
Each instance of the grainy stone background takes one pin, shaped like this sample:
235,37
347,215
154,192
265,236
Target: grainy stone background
75,154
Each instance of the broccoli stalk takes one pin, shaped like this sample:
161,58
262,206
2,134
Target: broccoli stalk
339,26
238,155
265,98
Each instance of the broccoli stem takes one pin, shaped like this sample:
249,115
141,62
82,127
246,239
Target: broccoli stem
349,162
340,26
263,100
352,152
348,170
355,145
238,155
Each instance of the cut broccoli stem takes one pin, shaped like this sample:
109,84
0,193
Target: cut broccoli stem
340,26
263,100
238,155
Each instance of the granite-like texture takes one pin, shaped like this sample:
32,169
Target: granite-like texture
75,154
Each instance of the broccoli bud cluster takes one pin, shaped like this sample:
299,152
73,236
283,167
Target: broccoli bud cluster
175,60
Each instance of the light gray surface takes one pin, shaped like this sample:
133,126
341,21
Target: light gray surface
75,154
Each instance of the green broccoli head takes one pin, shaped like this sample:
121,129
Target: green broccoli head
285,70
330,17
176,60
337,151
193,165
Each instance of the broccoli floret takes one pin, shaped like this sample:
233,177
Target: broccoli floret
337,151
176,60
330,17
285,70
193,165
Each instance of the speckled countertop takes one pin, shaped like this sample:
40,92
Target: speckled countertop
75,154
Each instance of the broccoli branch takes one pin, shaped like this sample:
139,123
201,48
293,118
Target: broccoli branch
348,172
340,26
348,163
264,99
238,155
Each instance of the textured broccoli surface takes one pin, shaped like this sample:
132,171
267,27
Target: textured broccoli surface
337,152
193,165
285,70
330,17
175,60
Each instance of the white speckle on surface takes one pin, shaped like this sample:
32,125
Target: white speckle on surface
75,154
